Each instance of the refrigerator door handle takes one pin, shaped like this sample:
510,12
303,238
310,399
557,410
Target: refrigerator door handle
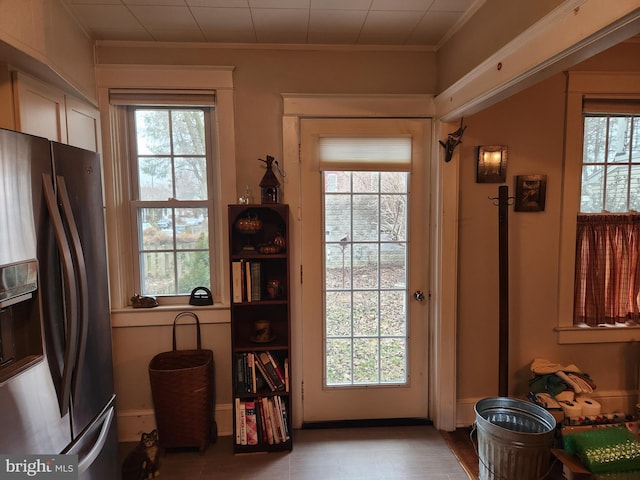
81,278
85,462
69,274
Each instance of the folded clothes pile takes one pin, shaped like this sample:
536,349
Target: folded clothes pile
554,378
564,390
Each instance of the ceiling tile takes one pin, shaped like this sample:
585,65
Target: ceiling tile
392,21
96,2
130,35
451,5
164,17
401,5
188,35
432,28
227,36
415,22
389,27
281,25
219,3
106,17
302,4
231,19
335,26
159,3
340,5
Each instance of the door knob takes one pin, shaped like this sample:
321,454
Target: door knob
418,295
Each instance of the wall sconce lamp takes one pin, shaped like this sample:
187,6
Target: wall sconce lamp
491,164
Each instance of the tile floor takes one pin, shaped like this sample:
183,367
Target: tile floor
373,453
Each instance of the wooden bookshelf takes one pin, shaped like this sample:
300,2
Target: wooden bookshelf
260,327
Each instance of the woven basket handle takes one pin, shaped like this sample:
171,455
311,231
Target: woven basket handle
191,314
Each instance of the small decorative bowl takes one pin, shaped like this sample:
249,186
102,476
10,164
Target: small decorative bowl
268,249
249,224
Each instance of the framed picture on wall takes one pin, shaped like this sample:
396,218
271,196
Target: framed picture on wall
530,193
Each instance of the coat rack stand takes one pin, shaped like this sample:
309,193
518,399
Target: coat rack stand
503,202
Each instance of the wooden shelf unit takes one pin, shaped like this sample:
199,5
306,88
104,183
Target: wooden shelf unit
270,403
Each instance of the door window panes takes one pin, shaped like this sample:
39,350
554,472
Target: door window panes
365,277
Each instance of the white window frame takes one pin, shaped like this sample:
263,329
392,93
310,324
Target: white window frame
137,203
117,179
579,85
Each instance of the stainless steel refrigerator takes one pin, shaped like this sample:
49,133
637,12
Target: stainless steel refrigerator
56,372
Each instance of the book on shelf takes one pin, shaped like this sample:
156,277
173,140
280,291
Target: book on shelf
270,367
277,407
247,281
265,424
241,422
240,385
263,373
285,418
256,281
252,372
237,420
286,374
262,419
274,421
278,368
252,422
249,375
236,271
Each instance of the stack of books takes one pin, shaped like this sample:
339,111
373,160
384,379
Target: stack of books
247,281
261,420
260,371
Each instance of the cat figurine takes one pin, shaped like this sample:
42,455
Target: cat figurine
143,461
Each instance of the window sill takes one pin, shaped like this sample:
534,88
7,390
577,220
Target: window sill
166,314
568,335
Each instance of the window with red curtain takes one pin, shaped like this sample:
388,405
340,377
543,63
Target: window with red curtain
607,283
607,276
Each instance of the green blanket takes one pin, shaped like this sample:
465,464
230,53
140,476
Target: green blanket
605,450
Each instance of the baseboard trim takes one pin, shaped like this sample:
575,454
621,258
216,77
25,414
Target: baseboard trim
131,423
372,422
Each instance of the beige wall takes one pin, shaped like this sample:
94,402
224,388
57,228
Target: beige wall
41,38
133,350
495,24
262,75
531,124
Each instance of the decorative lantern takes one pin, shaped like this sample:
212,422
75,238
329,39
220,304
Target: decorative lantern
269,185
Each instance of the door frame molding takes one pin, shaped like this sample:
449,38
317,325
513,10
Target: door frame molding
442,336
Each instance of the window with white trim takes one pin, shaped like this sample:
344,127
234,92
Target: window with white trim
600,211
610,157
171,155
120,87
608,232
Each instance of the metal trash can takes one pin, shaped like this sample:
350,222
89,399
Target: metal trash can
514,439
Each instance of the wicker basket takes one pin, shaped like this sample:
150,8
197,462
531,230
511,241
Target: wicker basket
183,390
